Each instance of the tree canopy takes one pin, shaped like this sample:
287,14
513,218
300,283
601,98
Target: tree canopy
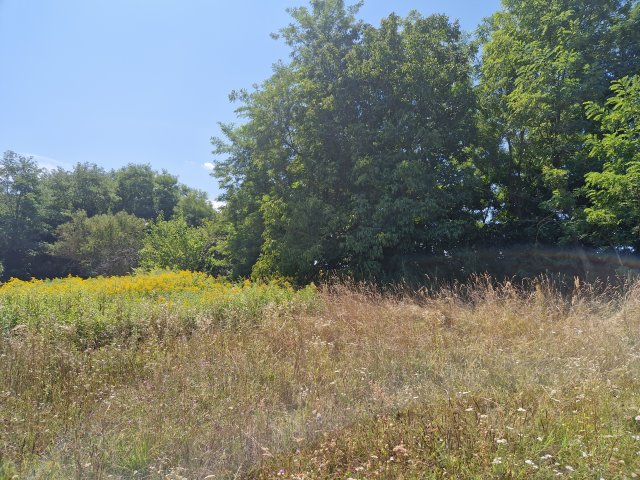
377,143
355,151
613,216
57,222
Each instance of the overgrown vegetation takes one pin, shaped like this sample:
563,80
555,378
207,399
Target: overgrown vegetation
181,376
384,153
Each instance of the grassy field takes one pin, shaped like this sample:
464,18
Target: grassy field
177,375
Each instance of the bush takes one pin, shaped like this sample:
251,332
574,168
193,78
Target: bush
101,245
174,245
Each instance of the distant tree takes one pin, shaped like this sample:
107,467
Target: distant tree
101,245
135,189
21,222
93,189
194,207
74,210
166,192
87,187
57,193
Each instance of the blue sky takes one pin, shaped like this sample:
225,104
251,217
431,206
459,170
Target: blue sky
146,81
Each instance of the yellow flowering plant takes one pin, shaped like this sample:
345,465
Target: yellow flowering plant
98,311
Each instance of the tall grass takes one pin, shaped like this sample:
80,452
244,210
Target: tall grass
475,381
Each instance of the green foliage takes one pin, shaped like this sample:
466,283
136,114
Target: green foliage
86,187
175,245
135,188
541,61
165,193
355,151
34,203
92,189
194,207
372,145
613,217
101,245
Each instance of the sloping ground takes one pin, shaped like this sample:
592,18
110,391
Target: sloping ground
475,382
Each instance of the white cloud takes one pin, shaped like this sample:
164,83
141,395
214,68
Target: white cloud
208,166
47,163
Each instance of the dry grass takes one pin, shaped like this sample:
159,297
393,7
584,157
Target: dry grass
473,382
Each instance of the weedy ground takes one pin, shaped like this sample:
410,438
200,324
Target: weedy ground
192,378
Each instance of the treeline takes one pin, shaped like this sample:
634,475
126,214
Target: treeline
381,152
376,148
89,221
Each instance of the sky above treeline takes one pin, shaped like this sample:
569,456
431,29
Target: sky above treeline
147,81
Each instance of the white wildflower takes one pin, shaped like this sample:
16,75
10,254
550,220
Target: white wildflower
531,463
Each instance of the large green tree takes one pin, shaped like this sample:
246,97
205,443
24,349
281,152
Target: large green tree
195,207
413,186
542,60
166,192
355,151
286,171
